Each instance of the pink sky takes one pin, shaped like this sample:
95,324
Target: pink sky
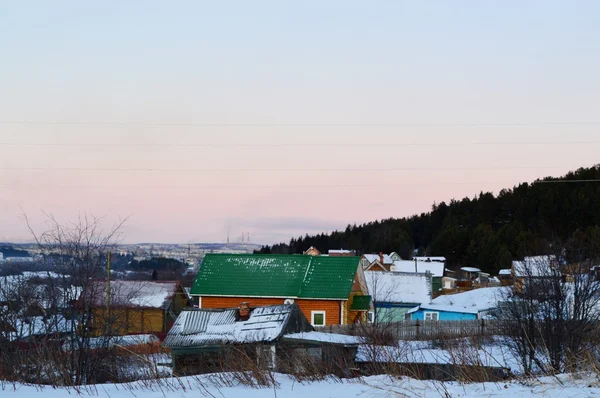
454,102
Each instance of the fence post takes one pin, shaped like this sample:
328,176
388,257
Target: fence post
417,334
482,327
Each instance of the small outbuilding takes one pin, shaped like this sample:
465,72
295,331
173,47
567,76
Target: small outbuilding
275,337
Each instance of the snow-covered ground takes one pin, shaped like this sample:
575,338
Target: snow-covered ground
371,387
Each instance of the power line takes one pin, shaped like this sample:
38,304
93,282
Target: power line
352,169
326,186
172,124
295,145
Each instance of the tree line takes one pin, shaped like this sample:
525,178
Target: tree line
487,231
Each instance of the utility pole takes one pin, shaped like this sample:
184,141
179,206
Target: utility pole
416,270
107,318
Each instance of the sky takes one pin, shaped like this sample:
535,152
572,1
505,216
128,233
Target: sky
198,120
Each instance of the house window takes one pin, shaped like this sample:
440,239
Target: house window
370,316
432,316
317,318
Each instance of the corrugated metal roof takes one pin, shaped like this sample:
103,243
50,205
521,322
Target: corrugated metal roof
197,327
287,276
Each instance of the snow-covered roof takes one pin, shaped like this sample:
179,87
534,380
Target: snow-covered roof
371,258
435,268
198,327
505,272
40,326
340,251
470,269
471,302
143,294
434,258
536,266
321,337
397,287
111,341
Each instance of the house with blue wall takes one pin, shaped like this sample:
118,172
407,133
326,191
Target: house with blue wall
474,304
394,293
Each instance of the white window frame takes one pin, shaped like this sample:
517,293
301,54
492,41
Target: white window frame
312,317
433,315
371,317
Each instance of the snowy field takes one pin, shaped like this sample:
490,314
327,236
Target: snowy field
371,387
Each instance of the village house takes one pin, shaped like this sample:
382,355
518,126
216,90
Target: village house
329,290
532,269
134,307
312,251
473,304
394,293
435,268
376,262
275,337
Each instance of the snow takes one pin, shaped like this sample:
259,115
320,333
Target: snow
197,327
494,355
340,251
584,385
113,341
505,272
136,293
438,259
371,258
470,269
324,338
435,268
395,287
471,302
536,266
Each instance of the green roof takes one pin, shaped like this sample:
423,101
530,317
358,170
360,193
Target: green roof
287,276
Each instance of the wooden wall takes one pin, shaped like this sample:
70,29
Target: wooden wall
331,307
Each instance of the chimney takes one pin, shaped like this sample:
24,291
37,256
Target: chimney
381,257
244,311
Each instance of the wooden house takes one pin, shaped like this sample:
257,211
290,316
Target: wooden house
328,290
134,307
312,251
275,337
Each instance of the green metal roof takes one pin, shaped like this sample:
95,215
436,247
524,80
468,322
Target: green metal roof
288,276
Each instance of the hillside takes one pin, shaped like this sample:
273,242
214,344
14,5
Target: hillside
487,231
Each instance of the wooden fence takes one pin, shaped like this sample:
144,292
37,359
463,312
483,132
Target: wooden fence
424,330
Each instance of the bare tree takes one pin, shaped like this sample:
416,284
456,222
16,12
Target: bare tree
77,252
552,313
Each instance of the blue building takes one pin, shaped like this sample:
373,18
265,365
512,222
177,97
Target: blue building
474,304
394,293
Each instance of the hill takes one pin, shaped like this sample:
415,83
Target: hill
487,231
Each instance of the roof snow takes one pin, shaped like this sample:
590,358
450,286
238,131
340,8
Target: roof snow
435,268
321,337
196,327
470,269
535,266
340,251
142,294
438,259
371,258
471,302
396,287
505,272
